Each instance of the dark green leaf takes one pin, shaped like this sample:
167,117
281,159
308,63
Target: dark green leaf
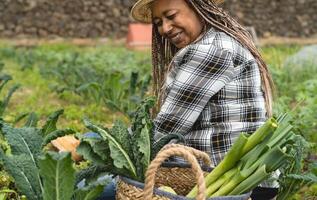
92,190
25,174
19,118
7,99
142,137
133,82
90,173
50,124
23,141
121,159
89,194
56,134
86,150
120,132
32,120
158,145
85,86
305,179
58,176
4,79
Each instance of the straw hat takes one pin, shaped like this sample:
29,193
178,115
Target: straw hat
141,11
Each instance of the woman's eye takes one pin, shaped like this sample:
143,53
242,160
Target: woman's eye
170,17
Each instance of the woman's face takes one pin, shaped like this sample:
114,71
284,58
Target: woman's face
176,21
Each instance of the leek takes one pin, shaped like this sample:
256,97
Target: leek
258,136
220,181
226,164
253,180
251,159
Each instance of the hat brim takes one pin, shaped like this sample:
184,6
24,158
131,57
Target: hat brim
141,10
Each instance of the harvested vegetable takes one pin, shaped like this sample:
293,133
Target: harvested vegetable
251,159
121,151
167,189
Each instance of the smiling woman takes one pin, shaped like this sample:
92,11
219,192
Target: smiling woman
176,22
211,81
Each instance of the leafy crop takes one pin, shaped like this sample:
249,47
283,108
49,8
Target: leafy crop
121,150
4,79
37,174
119,90
296,175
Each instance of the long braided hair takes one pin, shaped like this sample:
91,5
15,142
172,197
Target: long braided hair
163,51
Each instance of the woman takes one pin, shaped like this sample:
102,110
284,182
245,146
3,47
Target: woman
211,81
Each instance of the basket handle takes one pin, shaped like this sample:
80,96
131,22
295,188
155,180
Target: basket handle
160,158
198,154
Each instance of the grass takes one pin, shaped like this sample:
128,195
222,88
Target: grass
35,93
276,55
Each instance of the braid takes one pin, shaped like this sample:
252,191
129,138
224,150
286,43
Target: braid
162,54
214,16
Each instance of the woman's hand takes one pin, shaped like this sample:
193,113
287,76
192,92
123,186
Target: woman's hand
67,143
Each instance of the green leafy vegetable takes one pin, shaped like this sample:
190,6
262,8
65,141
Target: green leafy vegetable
86,149
25,174
58,176
22,164
124,151
31,168
50,124
89,193
32,120
142,137
90,173
158,145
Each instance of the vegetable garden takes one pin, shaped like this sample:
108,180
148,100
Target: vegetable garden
52,90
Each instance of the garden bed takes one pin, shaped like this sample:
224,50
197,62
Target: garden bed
56,75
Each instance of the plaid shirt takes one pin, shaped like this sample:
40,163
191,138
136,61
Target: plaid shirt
213,93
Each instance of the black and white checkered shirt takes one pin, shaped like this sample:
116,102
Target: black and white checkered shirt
213,93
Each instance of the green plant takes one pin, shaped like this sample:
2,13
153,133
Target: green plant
7,194
122,94
39,174
297,174
119,91
4,79
294,76
122,151
117,150
253,158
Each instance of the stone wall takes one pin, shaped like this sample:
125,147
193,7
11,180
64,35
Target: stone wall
109,18
289,18
67,18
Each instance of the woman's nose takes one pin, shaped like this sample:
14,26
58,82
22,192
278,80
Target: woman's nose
166,27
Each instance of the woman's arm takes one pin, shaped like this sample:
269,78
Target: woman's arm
205,69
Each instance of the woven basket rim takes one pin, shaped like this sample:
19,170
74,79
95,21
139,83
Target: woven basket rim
173,196
156,190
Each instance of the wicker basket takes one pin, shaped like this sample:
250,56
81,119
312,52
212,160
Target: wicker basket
179,177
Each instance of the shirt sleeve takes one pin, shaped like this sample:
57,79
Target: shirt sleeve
202,72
